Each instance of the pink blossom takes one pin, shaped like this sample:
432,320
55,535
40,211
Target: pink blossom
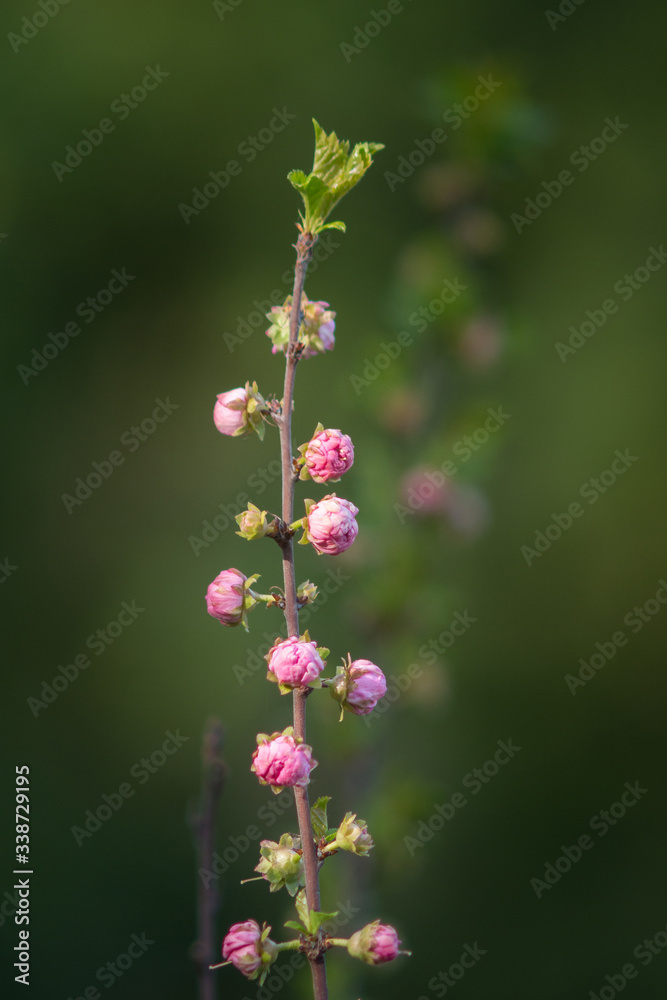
317,328
242,947
331,525
329,454
384,944
366,684
225,597
294,662
375,943
230,420
426,491
281,761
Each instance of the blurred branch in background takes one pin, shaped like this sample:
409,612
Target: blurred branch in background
442,405
203,825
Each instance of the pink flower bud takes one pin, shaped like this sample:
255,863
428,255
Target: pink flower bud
229,597
331,526
249,948
230,420
239,411
359,686
281,761
295,663
328,455
375,943
225,597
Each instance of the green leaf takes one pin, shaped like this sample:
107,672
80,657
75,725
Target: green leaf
301,904
317,919
296,926
335,172
318,816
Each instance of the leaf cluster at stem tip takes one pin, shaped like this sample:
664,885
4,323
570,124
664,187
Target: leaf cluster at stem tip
335,172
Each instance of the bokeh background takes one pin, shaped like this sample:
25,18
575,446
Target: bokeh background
141,536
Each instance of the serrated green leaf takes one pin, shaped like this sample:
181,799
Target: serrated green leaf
318,816
335,172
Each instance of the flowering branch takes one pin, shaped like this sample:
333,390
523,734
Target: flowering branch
301,329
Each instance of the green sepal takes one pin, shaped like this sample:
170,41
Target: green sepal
318,816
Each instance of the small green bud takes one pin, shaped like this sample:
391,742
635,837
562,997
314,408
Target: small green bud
281,864
353,836
253,523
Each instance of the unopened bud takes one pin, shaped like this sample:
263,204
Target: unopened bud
353,836
375,943
281,864
253,523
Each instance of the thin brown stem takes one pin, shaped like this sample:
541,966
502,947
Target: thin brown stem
304,251
203,825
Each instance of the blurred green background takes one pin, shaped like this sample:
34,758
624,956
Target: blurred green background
67,574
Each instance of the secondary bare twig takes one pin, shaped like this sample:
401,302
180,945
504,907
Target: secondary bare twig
202,824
